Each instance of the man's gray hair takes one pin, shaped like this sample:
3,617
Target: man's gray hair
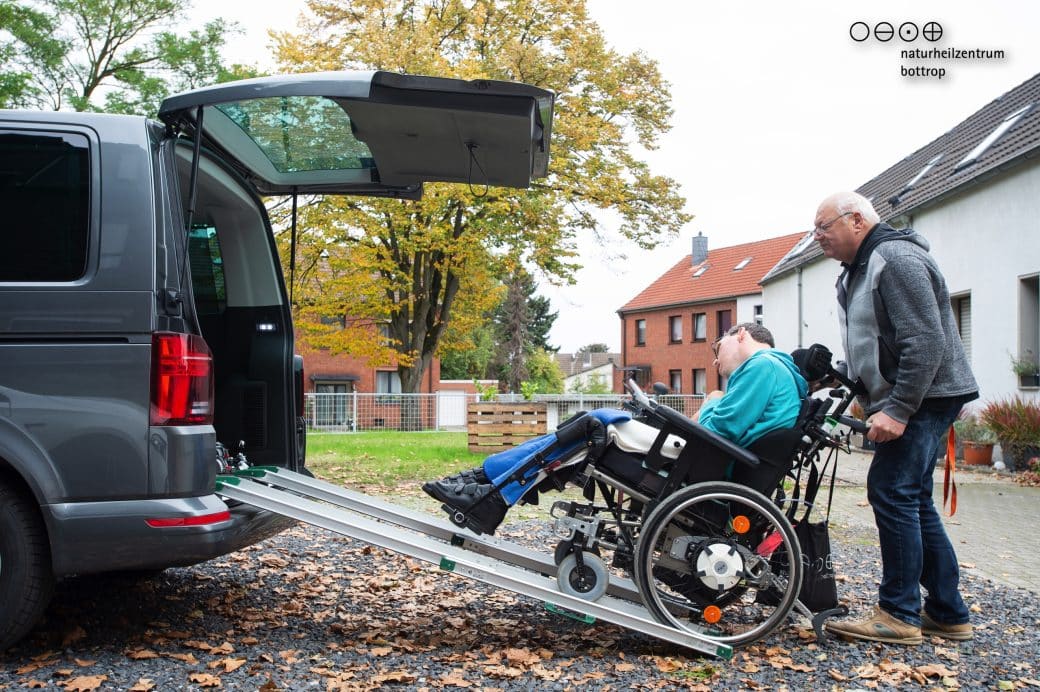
757,332
848,202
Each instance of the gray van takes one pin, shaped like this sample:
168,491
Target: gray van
143,314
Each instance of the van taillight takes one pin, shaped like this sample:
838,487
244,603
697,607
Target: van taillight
182,380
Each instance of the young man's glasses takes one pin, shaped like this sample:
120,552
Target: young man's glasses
824,227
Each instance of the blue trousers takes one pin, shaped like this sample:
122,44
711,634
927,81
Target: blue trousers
915,550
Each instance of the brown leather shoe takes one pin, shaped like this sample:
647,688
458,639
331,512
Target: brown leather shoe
879,627
961,633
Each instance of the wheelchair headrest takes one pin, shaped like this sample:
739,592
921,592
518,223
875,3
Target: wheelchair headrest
814,362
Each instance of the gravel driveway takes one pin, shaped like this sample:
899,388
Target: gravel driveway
312,610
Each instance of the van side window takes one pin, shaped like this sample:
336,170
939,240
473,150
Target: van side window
207,270
45,195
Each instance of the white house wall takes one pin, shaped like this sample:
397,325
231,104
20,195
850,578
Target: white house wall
746,307
985,240
819,310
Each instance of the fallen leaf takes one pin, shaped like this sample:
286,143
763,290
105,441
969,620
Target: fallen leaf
187,658
142,654
85,683
230,665
935,670
143,685
204,680
84,664
967,565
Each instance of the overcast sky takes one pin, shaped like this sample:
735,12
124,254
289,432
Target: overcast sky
776,105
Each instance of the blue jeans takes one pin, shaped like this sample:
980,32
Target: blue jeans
915,550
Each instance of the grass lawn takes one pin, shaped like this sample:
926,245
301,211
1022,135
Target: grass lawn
388,459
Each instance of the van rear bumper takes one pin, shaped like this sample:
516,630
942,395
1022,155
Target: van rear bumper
91,537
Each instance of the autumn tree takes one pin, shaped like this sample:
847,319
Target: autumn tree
121,56
417,266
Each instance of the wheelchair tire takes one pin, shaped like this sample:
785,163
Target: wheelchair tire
588,582
719,559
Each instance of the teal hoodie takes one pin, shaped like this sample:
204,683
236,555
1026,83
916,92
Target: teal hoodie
765,393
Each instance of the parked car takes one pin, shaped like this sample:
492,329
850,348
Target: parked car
143,314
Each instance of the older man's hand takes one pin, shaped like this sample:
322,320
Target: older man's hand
884,428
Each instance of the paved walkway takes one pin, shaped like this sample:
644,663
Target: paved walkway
996,530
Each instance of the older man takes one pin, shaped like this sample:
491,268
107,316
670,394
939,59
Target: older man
902,343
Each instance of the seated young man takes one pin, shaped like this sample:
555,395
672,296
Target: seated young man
764,393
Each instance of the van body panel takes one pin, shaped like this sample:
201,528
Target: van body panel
82,533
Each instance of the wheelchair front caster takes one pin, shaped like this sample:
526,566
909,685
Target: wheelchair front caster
587,581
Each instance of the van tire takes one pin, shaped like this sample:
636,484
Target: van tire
26,579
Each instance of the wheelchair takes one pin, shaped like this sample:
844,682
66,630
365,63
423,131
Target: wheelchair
702,526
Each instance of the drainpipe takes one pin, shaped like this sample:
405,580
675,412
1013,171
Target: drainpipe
801,320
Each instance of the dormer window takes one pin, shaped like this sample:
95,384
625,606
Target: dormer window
992,138
924,171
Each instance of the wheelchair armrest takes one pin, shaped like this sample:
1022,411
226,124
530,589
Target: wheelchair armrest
686,425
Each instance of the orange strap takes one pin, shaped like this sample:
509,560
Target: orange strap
949,482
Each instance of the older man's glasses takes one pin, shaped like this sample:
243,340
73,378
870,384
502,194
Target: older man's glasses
715,347
824,227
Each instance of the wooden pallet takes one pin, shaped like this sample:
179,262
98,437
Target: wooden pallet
493,427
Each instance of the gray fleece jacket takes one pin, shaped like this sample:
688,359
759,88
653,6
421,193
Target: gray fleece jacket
897,325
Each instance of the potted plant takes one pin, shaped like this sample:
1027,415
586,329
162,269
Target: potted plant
977,440
1027,369
1016,423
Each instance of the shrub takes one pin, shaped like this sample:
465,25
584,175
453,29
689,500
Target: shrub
1014,420
971,429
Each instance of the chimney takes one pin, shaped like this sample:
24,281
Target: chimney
700,248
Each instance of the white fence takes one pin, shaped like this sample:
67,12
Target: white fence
447,410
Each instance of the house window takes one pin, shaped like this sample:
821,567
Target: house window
641,374
962,315
640,332
724,319
675,329
388,382
700,380
339,322
700,326
675,381
1029,319
331,403
758,314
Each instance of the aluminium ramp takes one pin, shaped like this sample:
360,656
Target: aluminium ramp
457,559
422,522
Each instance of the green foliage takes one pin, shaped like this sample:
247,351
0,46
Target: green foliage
593,384
970,429
1014,420
62,54
1025,365
544,373
528,389
487,392
594,348
423,266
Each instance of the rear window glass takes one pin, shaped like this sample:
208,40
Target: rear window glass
45,197
207,270
297,133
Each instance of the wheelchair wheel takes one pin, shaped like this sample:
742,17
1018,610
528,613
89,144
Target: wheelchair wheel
721,560
588,582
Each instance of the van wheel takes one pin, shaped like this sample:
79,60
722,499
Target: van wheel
26,580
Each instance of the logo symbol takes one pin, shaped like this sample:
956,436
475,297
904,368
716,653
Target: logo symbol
908,32
884,32
932,31
859,32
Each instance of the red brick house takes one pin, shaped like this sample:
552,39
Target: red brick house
328,373
667,330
